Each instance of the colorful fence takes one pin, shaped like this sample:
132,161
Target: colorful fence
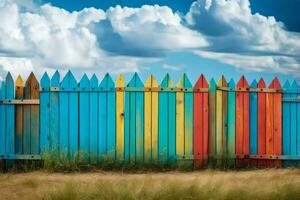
213,123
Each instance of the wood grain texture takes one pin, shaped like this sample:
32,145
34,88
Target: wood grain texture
19,92
2,118
231,126
151,121
212,122
54,114
9,116
44,114
120,119
200,124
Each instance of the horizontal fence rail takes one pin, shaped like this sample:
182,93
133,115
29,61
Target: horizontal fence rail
208,123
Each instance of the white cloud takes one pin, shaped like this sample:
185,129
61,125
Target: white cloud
245,40
45,37
172,67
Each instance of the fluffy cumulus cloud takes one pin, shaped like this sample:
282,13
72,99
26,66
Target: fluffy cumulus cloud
44,37
245,40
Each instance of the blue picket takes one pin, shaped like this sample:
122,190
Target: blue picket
94,119
231,123
44,113
253,120
111,118
84,117
2,119
298,121
127,127
64,116
10,116
134,127
286,121
73,116
293,120
54,113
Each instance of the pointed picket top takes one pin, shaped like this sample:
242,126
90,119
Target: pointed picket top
72,81
45,81
184,82
231,83
201,82
294,86
254,84
275,84
107,82
242,83
84,82
261,83
55,79
286,85
212,85
94,81
151,82
9,78
32,81
167,82
66,81
19,81
135,81
120,82
222,82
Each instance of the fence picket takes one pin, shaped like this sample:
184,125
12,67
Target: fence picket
19,115
286,122
151,120
120,83
212,122
231,125
10,116
54,114
44,113
166,123
200,123
94,108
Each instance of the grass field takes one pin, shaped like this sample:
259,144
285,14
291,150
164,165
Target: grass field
207,184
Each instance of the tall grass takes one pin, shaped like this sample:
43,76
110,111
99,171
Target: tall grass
149,189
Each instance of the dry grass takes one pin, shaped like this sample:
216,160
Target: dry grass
207,184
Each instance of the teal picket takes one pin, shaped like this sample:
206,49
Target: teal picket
286,122
10,116
94,119
188,120
231,123
298,121
73,116
2,118
54,114
111,118
84,117
64,116
134,106
44,113
127,127
293,120
253,120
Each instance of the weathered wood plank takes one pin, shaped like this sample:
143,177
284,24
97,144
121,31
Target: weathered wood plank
94,120
120,119
54,114
19,115
2,118
111,119
212,122
231,125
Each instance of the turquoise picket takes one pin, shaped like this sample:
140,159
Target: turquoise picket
103,119
167,121
188,120
64,116
231,123
298,121
286,122
54,113
44,113
73,116
253,120
293,120
10,116
111,118
94,119
2,119
84,117
127,127
163,121
134,124
212,122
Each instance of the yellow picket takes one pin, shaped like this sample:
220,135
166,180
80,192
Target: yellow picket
120,118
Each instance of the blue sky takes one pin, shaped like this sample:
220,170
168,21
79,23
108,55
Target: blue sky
236,37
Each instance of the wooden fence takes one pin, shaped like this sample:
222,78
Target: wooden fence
209,123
